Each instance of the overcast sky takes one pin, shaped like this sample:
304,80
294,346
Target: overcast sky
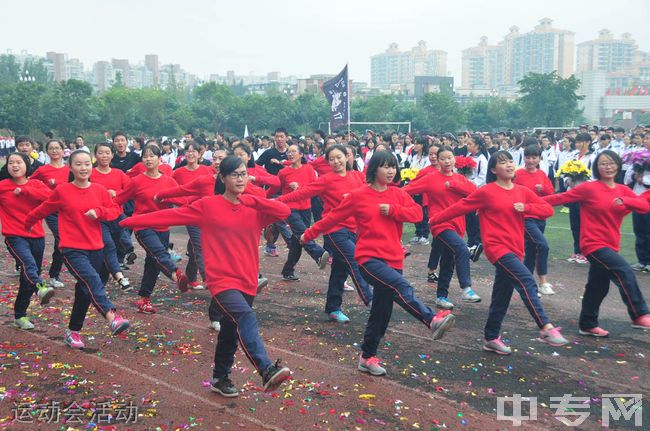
292,36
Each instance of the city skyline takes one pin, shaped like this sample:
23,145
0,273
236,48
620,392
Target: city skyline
254,37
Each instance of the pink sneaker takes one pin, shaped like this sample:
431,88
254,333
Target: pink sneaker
497,346
553,337
642,322
581,259
119,325
182,282
73,339
594,332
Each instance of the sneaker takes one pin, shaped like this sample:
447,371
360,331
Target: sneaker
424,241
573,257
594,332
414,240
323,260
124,284
432,277
124,267
642,322
553,337
195,285
338,317
271,251
639,267
131,257
274,376
45,293
444,303
470,296
144,306
262,282
119,325
55,283
581,259
290,277
224,387
73,339
497,346
347,287
215,326
181,281
475,252
565,210
175,256
406,251
24,323
441,323
371,366
546,289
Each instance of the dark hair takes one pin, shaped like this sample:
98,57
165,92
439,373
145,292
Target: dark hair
23,138
28,170
606,137
480,143
301,151
104,144
47,145
424,141
119,133
379,159
355,165
228,165
444,148
193,144
583,137
342,149
155,149
245,148
73,156
572,142
498,156
532,150
281,130
612,155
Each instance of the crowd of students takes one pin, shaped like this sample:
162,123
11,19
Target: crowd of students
231,193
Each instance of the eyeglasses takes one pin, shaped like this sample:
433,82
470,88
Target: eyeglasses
236,175
607,164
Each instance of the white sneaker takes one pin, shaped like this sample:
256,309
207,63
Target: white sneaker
347,287
53,282
546,289
215,326
415,240
423,241
638,266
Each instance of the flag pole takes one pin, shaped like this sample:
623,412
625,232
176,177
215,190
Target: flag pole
349,97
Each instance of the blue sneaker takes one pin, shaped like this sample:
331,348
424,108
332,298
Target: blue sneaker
339,317
444,303
471,296
175,256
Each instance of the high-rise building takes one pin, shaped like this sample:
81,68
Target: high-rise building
606,53
122,67
104,75
74,69
151,61
58,65
399,68
483,66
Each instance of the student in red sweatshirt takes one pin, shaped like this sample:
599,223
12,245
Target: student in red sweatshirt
292,178
114,180
502,206
441,189
231,224
380,212
18,195
257,174
603,205
184,175
81,206
535,244
340,240
53,174
142,190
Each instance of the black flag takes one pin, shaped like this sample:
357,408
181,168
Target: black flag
337,93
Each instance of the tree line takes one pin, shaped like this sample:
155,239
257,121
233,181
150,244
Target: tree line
70,107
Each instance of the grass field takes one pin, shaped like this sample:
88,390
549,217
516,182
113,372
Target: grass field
560,240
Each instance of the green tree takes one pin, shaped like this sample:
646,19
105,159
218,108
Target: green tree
212,106
119,80
9,69
66,107
549,100
439,112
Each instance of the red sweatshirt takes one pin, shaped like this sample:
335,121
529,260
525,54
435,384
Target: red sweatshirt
600,217
75,229
321,166
184,175
331,188
47,173
421,174
203,186
14,207
262,177
380,236
440,197
502,227
142,190
303,176
140,168
230,236
115,179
